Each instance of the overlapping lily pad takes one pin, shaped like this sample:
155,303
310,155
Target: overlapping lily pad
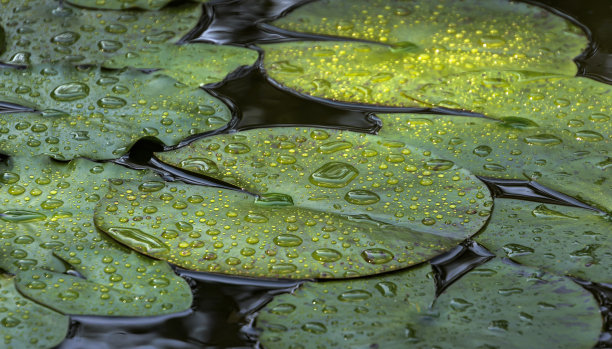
194,64
46,226
560,239
123,4
24,323
514,148
87,111
415,44
496,305
39,31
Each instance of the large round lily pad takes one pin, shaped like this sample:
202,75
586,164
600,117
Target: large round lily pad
41,31
332,204
25,324
495,305
410,45
97,113
194,64
560,239
46,224
514,148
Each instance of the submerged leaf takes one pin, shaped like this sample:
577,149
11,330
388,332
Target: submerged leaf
563,240
46,223
512,149
43,31
409,45
332,204
123,4
97,113
495,305
194,64
25,324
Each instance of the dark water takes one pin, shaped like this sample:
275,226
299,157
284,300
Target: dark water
224,307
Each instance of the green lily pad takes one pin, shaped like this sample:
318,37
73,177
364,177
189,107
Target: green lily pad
46,224
123,4
97,113
514,148
414,44
24,323
563,240
195,64
495,305
40,31
332,204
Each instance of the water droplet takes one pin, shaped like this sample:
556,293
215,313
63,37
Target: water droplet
159,282
542,139
109,45
482,150
354,296
282,268
138,239
332,147
255,218
274,199
50,204
282,309
286,159
319,135
326,255
438,164
151,186
159,38
515,250
65,38
71,91
21,216
518,123
361,197
588,136
287,240
237,148
333,175
111,102
68,295
10,321
377,256
314,327
544,212
459,304
386,288
201,165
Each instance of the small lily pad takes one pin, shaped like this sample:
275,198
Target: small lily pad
123,4
401,47
194,64
495,305
46,224
331,204
87,111
42,31
560,239
514,148
24,323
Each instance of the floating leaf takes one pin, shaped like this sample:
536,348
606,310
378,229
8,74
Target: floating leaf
512,149
97,113
42,31
25,324
332,204
46,222
495,305
195,64
123,4
414,44
563,240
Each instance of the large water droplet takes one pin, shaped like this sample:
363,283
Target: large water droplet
361,197
333,175
21,216
237,148
354,296
287,240
111,102
326,255
201,165
377,256
65,38
542,139
138,239
274,199
332,147
71,91
438,164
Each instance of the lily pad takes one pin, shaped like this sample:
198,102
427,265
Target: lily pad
87,111
42,31
194,64
46,224
514,148
332,204
26,324
563,240
408,45
495,305
123,4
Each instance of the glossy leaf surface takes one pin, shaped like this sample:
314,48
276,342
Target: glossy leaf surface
97,113
24,323
46,223
123,4
495,305
563,240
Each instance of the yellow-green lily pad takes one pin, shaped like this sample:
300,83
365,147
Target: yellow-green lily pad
46,224
495,305
194,64
88,111
123,4
40,31
560,239
514,148
26,324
